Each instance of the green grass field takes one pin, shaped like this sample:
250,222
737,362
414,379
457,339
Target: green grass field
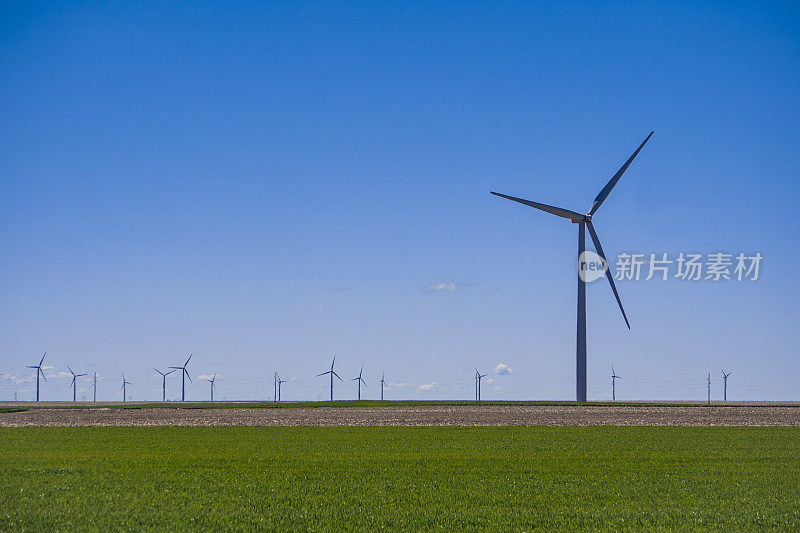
399,478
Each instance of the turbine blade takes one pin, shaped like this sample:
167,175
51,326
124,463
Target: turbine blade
187,361
328,372
603,194
187,374
40,362
43,376
610,276
337,375
70,370
564,213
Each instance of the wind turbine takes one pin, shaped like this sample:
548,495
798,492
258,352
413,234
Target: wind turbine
164,383
709,388
382,382
124,390
332,373
585,222
184,375
614,377
478,378
725,385
72,385
360,381
212,386
38,371
279,386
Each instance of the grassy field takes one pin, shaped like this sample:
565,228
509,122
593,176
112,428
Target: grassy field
519,478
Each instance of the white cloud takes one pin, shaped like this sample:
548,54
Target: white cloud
392,386
503,370
443,287
428,386
205,376
17,379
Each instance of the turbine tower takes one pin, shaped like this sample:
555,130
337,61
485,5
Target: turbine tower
212,386
184,375
478,378
614,377
38,371
72,385
382,383
709,388
585,222
164,383
360,381
332,373
725,385
94,387
279,386
124,390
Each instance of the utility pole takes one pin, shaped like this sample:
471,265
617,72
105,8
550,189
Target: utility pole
275,387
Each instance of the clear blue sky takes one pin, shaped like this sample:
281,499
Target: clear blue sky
269,185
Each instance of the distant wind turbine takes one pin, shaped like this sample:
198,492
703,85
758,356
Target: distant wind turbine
709,388
614,377
725,385
164,383
184,375
585,222
332,373
478,378
279,386
214,378
73,384
360,381
94,387
382,382
39,371
124,390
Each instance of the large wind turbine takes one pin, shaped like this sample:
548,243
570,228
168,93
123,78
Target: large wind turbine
184,375
382,383
73,384
164,383
332,373
360,381
585,222
614,378
38,371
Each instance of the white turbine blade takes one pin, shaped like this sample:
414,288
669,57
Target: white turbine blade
564,213
603,194
610,277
